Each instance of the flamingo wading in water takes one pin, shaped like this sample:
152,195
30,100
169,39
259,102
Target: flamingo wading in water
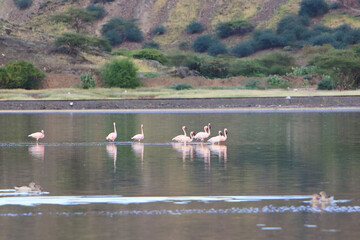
203,135
37,135
216,139
140,136
112,136
224,137
180,138
188,139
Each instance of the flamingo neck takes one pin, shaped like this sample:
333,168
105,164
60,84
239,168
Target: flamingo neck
184,131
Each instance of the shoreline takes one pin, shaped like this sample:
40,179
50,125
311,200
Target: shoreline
188,104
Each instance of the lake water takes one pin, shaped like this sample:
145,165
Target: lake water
256,185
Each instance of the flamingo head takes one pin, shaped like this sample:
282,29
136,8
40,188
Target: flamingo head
192,133
225,131
184,127
220,133
42,131
209,125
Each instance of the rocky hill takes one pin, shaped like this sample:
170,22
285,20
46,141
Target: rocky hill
28,35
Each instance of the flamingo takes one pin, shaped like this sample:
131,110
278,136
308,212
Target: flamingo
216,139
140,136
325,198
37,135
33,187
223,138
188,139
180,138
202,135
112,136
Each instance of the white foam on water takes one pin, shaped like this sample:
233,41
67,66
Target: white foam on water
77,200
271,228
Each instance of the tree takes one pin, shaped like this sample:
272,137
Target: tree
20,74
313,8
120,73
76,18
74,41
118,30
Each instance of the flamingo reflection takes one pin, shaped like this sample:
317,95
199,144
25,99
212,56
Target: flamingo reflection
37,151
220,150
111,150
138,148
203,151
185,150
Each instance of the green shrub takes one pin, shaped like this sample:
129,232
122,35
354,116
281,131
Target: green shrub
313,8
264,39
252,84
160,30
98,11
226,29
151,44
277,63
182,86
20,74
249,68
217,48
74,41
22,4
118,30
87,80
194,27
184,45
150,54
203,42
120,73
214,69
277,82
122,52
243,49
326,83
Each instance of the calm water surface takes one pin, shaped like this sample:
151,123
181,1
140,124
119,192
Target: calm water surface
256,185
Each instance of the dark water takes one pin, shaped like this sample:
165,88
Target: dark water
256,185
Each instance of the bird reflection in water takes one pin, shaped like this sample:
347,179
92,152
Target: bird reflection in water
204,152
138,148
220,150
111,150
185,149
37,151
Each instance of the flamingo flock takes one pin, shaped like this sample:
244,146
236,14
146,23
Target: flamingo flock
183,138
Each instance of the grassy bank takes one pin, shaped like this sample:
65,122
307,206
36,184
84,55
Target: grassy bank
117,93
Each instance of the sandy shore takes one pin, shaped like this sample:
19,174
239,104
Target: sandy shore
193,103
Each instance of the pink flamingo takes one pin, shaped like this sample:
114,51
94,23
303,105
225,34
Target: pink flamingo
180,138
112,136
216,139
140,136
223,138
188,139
202,135
37,135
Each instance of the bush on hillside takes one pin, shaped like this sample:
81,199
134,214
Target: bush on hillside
87,80
277,82
203,42
118,30
341,65
278,63
313,8
74,42
150,54
120,73
214,69
249,68
267,38
326,83
160,30
151,44
23,4
226,29
217,48
194,27
20,74
243,49
98,11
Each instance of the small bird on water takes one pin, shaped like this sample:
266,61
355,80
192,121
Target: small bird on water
37,135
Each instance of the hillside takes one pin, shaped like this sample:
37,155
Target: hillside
27,35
